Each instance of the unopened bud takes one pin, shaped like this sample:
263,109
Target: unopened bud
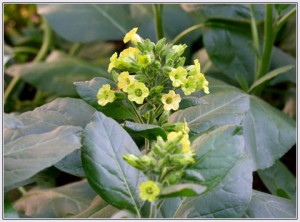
133,161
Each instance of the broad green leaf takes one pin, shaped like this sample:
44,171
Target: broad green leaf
88,92
97,209
56,77
72,164
279,180
146,130
12,122
227,177
236,57
104,144
222,108
182,190
9,210
203,12
44,149
280,58
58,202
264,205
270,75
50,132
189,101
268,133
115,19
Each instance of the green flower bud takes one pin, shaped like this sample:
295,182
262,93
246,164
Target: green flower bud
167,69
147,161
157,64
180,62
175,52
183,159
133,161
174,177
160,45
119,96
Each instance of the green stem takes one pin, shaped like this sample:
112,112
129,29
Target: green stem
158,11
187,31
13,85
255,40
268,42
136,112
74,49
283,20
152,210
22,190
25,49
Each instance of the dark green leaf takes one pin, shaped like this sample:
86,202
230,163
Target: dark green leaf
203,12
281,7
11,121
115,19
50,133
279,180
88,92
105,142
189,101
45,149
182,190
97,209
236,57
223,108
280,58
56,77
268,133
59,202
72,164
146,130
264,205
9,210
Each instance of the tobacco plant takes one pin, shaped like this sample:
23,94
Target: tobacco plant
147,128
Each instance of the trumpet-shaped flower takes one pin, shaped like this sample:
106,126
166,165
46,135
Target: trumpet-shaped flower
149,190
128,57
105,95
189,86
132,36
137,92
185,142
178,76
171,100
144,60
124,80
113,62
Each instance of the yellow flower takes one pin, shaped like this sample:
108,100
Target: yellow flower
105,95
124,80
185,142
144,60
195,71
205,87
137,92
189,86
113,62
178,76
128,58
171,100
149,190
132,36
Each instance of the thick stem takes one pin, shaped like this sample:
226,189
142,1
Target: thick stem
13,85
22,190
158,11
74,49
187,31
268,42
136,112
255,40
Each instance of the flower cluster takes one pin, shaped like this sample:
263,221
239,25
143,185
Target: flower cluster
165,163
152,73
